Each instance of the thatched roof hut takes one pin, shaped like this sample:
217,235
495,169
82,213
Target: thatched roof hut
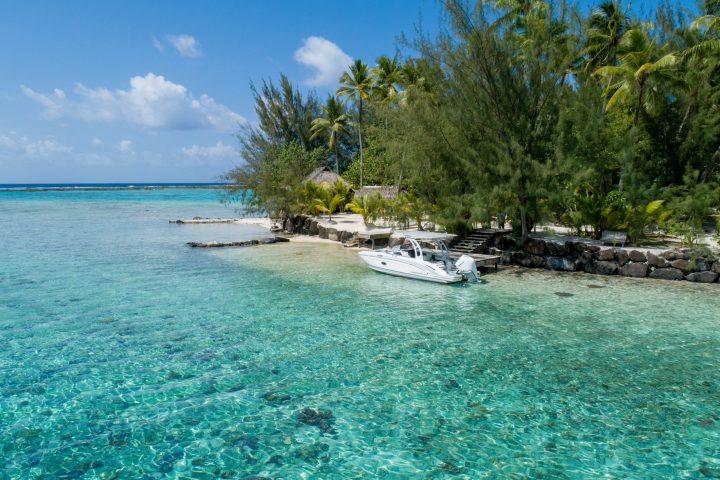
325,175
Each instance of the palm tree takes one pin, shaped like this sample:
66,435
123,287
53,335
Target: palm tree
369,206
516,12
708,28
333,125
328,201
387,75
357,83
606,27
642,70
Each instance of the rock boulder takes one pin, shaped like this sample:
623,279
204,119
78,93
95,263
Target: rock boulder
556,249
681,264
622,257
636,256
656,261
683,254
535,247
668,273
533,261
604,267
563,264
702,277
506,242
637,270
313,230
606,255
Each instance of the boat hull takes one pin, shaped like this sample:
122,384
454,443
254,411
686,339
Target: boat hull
408,268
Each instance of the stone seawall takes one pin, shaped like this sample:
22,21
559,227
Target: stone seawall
305,225
675,264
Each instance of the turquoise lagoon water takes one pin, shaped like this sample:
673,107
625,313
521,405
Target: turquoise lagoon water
125,354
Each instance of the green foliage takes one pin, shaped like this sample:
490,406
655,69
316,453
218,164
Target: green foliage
325,198
333,126
377,168
369,206
639,218
271,182
357,83
520,107
278,153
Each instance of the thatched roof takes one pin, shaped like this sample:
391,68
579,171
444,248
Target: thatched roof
325,175
384,191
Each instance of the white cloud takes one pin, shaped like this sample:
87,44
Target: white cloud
325,57
125,146
158,45
217,150
97,141
151,101
8,142
45,147
185,44
39,148
53,103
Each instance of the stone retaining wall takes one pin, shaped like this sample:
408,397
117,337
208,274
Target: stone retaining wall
676,264
305,225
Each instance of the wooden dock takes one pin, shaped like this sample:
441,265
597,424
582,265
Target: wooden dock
481,260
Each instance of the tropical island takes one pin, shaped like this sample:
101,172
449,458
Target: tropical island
519,113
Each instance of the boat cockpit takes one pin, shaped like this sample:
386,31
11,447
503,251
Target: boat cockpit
434,251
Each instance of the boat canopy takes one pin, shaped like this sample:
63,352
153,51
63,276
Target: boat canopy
417,235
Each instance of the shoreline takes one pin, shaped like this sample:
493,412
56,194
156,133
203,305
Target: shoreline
96,188
552,252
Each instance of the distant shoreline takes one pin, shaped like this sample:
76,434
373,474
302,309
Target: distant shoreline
20,187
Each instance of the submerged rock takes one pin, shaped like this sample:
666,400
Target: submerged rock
322,419
276,398
311,451
564,294
451,384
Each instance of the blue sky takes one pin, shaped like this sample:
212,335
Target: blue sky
138,91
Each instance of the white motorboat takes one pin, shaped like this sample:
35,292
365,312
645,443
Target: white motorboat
423,256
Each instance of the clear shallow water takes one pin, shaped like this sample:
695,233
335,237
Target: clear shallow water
125,354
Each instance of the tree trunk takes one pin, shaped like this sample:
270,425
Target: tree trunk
709,167
684,120
337,161
638,107
402,164
523,222
360,140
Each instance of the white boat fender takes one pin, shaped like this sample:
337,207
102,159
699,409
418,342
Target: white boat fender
466,266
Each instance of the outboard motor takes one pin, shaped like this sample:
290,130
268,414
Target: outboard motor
466,266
